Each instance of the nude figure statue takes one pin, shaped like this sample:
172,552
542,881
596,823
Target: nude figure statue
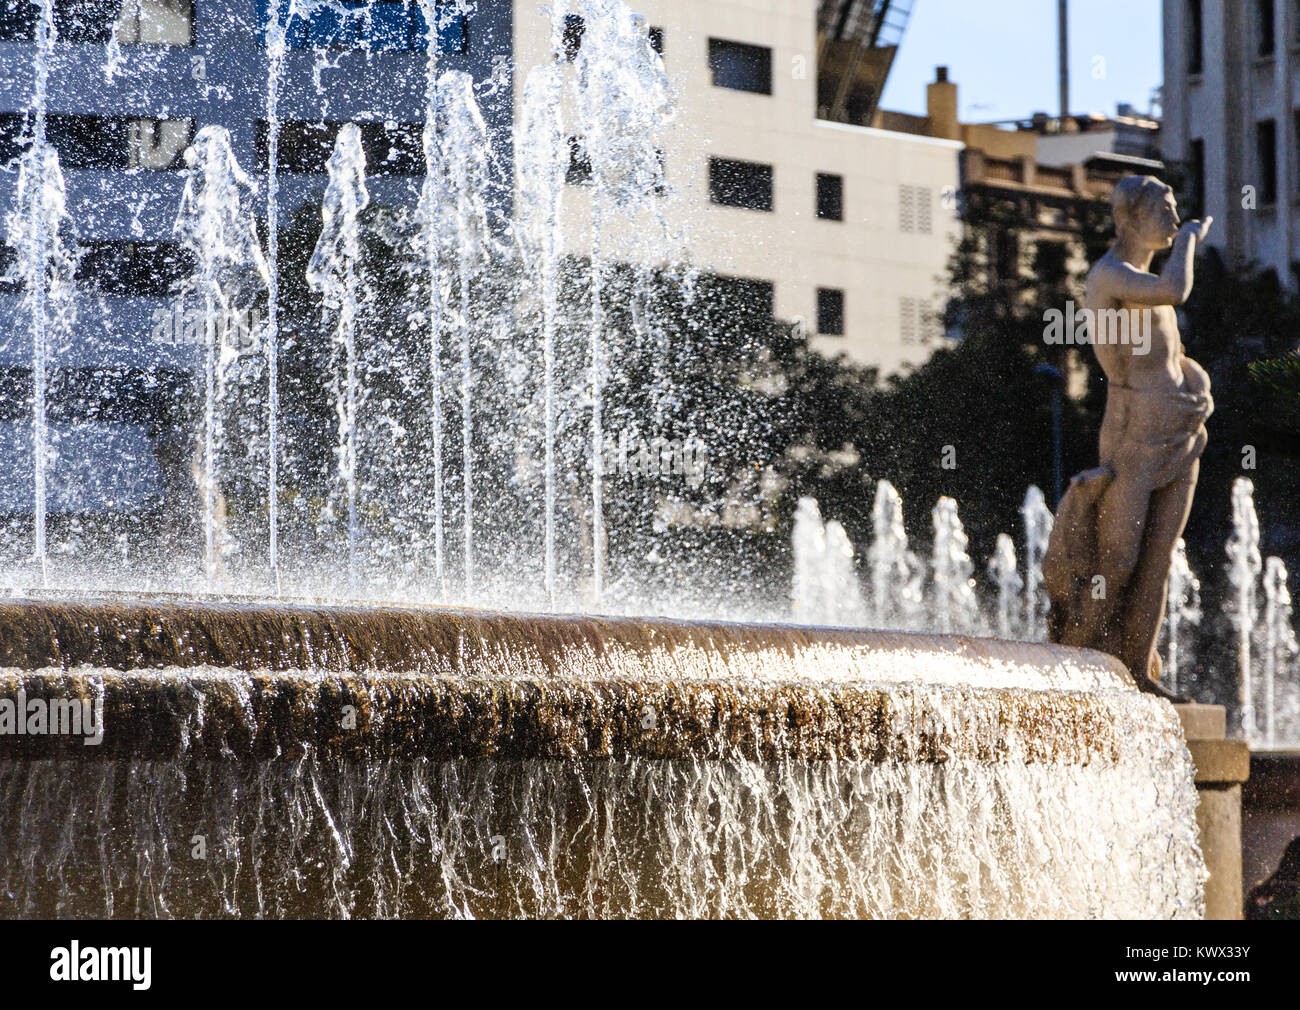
1106,569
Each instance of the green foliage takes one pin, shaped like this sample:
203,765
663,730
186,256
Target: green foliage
1279,382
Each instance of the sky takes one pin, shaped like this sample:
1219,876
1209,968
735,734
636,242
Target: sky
1002,55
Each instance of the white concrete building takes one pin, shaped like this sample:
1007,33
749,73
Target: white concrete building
850,224
1231,96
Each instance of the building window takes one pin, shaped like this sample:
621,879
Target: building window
915,209
377,25
909,319
741,67
1264,26
579,170
917,322
1052,262
830,312
138,269
575,27
657,40
1296,139
156,22
1198,178
860,104
390,149
830,197
1266,159
95,22
740,184
1195,37
1006,256
103,142
83,21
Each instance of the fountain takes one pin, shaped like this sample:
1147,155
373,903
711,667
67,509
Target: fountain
380,762
45,264
333,272
215,223
398,756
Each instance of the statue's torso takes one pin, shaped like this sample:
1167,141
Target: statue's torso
1146,421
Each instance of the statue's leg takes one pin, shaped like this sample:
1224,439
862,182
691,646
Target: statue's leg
1166,519
1121,520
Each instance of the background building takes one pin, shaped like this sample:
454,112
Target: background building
1230,118
778,178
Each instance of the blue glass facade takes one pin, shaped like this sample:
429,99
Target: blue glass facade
374,24
362,62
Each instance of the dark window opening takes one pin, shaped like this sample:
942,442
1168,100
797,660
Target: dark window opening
306,147
1195,37
830,197
8,261
1266,159
657,40
830,312
140,269
1051,262
1197,209
860,105
579,171
1264,26
91,22
1006,256
740,184
84,21
741,67
574,28
75,21
102,142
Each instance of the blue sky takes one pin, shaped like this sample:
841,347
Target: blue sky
1002,54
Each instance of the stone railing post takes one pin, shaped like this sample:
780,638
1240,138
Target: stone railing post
1222,766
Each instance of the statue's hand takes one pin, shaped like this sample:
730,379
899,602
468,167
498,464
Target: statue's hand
1198,229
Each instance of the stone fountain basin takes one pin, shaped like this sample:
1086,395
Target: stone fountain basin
386,761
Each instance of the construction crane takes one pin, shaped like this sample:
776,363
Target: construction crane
856,43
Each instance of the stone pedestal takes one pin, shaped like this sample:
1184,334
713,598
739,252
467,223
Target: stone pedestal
1222,766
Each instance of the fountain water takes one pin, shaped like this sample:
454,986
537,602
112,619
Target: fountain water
953,601
895,571
216,224
1182,607
45,264
333,272
1038,532
810,564
507,766
1280,647
279,19
1003,572
769,771
623,103
1244,567
542,170
465,172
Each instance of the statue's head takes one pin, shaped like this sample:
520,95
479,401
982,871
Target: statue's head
1145,209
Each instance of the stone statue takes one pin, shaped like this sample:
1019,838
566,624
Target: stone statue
1106,569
